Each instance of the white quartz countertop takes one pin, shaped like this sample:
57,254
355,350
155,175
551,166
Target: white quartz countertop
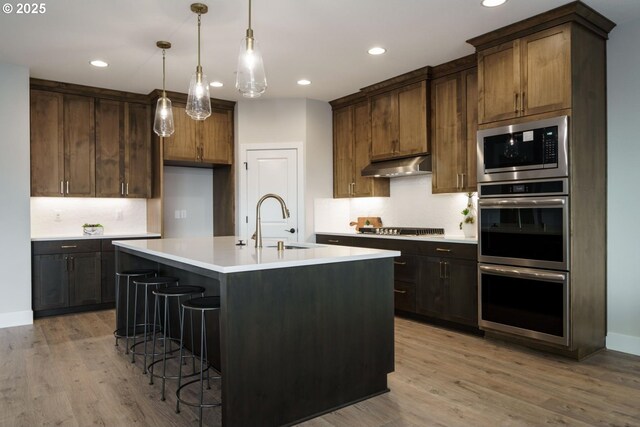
85,237
445,238
221,254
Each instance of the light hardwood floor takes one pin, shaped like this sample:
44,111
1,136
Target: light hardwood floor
66,371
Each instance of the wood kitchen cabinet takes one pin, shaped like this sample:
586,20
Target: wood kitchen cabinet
526,76
62,145
123,152
454,123
209,141
399,122
435,280
351,153
66,274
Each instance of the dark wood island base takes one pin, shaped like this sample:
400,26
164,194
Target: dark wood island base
294,342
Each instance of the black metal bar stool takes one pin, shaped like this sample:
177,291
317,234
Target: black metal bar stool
202,305
172,293
128,274
146,283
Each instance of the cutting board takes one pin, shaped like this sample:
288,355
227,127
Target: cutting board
374,221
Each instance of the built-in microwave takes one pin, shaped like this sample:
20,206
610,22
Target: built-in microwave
524,151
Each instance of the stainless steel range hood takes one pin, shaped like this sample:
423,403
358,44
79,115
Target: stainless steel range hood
420,165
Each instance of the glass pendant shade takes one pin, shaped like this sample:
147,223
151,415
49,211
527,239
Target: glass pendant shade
251,80
163,121
198,100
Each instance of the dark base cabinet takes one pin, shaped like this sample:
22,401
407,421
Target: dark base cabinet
433,281
70,276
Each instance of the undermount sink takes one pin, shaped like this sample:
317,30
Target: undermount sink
288,247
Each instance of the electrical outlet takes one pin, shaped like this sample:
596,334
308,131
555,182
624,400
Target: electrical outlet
57,215
183,213
119,215
176,214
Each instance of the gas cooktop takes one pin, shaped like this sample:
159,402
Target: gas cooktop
403,231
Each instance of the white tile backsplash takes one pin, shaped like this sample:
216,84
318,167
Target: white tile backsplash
58,216
412,204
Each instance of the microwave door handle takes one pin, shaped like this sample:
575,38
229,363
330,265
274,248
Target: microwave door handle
513,272
524,203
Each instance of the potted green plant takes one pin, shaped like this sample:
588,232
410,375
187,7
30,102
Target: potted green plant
92,229
468,223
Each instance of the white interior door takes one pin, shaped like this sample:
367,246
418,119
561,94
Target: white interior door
273,171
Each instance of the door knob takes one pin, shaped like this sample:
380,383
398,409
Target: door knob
291,230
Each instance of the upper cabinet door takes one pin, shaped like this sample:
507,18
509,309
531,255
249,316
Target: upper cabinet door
447,128
181,146
412,120
109,148
470,177
546,66
499,82
79,146
216,138
137,159
47,144
384,125
343,152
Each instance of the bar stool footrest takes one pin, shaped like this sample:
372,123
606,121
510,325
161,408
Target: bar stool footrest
192,404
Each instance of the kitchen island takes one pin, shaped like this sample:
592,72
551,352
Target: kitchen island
302,331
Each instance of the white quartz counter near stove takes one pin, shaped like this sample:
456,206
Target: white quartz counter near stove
221,254
445,238
87,237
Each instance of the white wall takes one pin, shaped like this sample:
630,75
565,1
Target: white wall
411,205
188,202
64,216
623,246
15,250
289,121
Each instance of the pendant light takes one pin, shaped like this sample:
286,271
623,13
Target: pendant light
198,101
163,121
250,78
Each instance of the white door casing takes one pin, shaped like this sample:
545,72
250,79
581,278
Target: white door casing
272,171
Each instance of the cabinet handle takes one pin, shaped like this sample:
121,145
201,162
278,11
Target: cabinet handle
400,262
442,250
441,270
122,188
61,187
353,188
73,263
446,269
127,189
68,246
67,187
66,263
461,181
398,291
522,103
515,103
333,241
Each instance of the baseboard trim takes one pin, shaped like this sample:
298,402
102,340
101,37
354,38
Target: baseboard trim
624,343
16,318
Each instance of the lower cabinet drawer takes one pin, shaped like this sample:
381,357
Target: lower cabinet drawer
404,296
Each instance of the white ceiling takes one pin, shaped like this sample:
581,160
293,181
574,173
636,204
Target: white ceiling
325,41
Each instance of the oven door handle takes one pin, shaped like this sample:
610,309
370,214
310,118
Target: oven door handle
524,203
514,272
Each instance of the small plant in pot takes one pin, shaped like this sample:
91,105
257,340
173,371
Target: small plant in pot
468,223
92,229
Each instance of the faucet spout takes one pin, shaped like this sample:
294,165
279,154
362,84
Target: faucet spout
285,214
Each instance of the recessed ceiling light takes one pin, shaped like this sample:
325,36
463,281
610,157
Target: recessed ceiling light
98,63
377,50
493,3
216,83
304,82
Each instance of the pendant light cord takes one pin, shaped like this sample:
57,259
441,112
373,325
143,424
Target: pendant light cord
249,14
164,93
199,41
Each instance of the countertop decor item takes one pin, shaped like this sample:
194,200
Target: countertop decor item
468,224
92,229
163,122
367,221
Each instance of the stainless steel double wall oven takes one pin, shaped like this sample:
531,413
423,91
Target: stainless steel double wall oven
524,230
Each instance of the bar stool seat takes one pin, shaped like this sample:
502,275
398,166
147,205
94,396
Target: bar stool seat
201,305
168,293
124,332
146,283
